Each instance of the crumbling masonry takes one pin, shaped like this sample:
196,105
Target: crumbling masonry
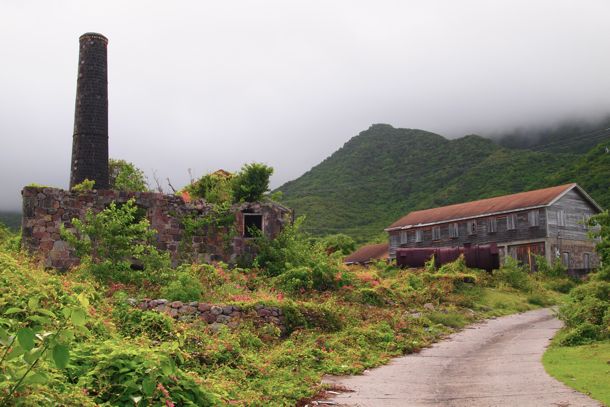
46,210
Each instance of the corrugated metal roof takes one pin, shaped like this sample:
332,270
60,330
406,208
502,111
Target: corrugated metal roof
499,204
369,252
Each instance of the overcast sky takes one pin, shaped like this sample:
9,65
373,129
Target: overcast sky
207,85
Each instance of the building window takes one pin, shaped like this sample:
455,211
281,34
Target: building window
561,217
533,218
253,223
471,226
453,230
493,225
586,261
585,221
403,237
565,259
511,221
419,235
436,233
394,240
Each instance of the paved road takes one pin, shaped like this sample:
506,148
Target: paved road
494,363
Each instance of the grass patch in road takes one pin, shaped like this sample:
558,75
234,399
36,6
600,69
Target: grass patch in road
585,368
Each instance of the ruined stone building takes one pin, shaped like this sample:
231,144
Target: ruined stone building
45,210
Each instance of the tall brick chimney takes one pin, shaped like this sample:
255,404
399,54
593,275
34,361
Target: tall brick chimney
90,139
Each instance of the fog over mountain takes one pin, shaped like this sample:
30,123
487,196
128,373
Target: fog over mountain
207,85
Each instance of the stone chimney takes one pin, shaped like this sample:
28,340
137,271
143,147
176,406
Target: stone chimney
90,139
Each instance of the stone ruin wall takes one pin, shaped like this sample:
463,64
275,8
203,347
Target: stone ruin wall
214,315
45,210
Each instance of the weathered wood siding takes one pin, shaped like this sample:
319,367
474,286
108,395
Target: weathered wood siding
576,208
522,232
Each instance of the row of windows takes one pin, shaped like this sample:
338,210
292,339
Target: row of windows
563,221
471,228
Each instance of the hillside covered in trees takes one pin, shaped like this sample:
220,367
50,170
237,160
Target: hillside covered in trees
384,172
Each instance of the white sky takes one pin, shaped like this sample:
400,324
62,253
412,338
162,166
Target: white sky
208,85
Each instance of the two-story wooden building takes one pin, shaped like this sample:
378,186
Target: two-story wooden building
551,222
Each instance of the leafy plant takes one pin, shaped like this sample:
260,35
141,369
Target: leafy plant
112,240
125,176
251,182
120,373
215,188
185,285
513,274
86,185
45,336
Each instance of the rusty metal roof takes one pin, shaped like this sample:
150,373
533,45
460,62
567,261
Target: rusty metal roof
489,206
367,253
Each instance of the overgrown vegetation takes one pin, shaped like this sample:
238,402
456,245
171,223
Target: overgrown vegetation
110,243
586,314
248,185
125,176
338,320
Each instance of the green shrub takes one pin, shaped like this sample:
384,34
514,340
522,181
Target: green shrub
456,266
213,188
110,241
556,269
339,243
582,334
539,299
564,285
86,185
586,313
295,280
120,373
305,262
513,275
124,176
309,316
184,286
251,182
134,322
370,296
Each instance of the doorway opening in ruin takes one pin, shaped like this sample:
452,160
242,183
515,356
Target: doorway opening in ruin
253,223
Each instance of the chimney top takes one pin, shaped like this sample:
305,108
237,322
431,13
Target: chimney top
93,35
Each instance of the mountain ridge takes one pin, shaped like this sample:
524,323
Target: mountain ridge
384,172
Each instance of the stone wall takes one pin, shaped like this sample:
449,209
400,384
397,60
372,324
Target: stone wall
230,315
45,210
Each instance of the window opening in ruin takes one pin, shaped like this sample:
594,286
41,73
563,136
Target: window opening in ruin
253,222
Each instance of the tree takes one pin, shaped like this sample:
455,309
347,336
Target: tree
124,176
214,188
251,182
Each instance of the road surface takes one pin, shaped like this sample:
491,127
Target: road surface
494,363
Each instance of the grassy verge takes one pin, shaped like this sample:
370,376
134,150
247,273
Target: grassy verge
585,368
